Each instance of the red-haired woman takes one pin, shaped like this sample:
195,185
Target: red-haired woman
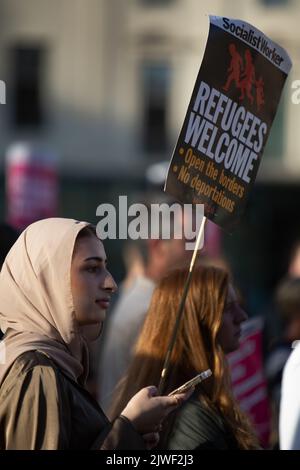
210,329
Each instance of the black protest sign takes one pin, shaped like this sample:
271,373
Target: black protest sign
228,120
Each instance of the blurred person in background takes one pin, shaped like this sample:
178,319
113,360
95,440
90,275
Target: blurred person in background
134,257
160,256
287,383
210,328
289,418
287,303
294,262
275,320
54,292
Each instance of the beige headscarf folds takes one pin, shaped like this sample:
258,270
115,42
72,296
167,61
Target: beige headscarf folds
36,305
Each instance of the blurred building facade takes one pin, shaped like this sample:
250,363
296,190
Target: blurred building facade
106,84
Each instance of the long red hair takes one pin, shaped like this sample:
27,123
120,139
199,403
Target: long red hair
196,348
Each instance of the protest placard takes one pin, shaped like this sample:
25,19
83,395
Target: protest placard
228,120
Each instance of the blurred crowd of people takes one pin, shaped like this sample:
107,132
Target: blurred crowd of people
280,333
130,354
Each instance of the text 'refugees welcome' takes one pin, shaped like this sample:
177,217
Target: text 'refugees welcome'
242,135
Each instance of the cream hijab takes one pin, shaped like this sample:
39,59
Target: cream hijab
36,305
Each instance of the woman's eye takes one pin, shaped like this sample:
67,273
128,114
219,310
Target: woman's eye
93,269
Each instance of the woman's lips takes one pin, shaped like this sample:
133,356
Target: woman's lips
103,303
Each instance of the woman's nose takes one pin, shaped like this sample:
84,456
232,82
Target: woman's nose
109,282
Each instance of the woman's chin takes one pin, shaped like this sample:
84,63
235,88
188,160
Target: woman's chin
92,332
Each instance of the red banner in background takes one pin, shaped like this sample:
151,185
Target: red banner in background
213,240
31,185
249,383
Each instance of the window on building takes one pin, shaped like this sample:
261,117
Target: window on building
155,79
27,63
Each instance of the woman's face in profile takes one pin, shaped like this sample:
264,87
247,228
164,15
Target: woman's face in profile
91,284
230,329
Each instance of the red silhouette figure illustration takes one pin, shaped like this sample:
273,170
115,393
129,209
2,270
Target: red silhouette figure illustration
260,97
234,69
243,75
248,78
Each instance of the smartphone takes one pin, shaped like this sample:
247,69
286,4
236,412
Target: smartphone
192,383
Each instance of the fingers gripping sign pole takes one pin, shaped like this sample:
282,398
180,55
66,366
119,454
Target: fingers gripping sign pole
165,371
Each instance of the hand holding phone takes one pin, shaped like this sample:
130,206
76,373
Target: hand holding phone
192,383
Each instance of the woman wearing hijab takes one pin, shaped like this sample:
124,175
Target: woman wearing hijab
54,293
210,328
